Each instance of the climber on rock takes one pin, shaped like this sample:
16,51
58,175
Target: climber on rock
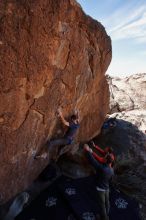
106,151
69,136
104,173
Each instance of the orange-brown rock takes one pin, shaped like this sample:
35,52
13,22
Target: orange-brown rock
51,55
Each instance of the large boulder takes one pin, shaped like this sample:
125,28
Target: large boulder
51,55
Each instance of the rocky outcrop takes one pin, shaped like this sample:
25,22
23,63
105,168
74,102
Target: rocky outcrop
51,55
128,105
127,93
128,99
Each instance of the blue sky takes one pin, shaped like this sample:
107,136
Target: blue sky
125,23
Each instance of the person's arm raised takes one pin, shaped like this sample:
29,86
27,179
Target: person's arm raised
91,159
100,159
98,148
62,118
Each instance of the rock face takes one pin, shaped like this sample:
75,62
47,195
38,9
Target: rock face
127,93
51,55
128,105
128,99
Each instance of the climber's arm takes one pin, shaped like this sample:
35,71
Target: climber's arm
94,163
98,158
98,148
62,118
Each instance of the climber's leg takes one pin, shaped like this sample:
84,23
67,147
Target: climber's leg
57,142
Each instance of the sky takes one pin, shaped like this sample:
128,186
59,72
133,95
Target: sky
125,23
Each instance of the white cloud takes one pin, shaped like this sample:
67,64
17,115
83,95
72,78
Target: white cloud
124,17
138,22
132,25
125,22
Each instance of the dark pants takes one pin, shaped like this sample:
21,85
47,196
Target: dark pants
103,199
58,142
